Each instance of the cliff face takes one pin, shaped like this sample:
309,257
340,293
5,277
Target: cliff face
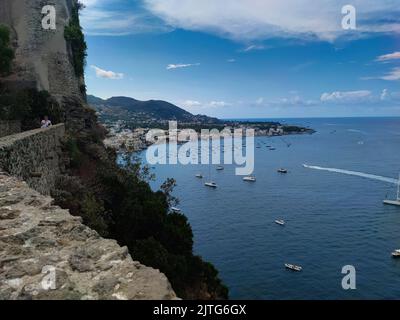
45,253
42,57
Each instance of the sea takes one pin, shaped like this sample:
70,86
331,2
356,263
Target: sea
331,200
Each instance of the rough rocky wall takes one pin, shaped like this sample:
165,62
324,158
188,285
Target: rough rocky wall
45,253
9,127
35,156
42,56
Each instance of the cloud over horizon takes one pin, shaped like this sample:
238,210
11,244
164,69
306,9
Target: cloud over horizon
389,57
181,65
245,20
101,73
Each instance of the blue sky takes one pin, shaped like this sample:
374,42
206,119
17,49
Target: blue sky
247,58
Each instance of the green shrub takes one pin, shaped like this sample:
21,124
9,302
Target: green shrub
29,106
76,39
93,214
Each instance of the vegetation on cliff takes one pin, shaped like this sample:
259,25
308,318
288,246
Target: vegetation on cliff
6,52
29,106
75,38
119,203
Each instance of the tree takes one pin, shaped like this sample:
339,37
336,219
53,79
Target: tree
167,188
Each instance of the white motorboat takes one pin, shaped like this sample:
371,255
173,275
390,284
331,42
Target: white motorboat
250,179
293,267
211,184
282,170
220,168
397,201
396,253
280,222
199,175
176,210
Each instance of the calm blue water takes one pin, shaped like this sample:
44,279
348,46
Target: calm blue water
333,219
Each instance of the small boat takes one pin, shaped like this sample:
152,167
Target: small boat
397,201
220,168
281,170
211,184
199,175
396,253
250,179
293,267
280,222
176,210
272,148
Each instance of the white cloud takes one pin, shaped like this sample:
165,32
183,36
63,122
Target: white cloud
181,65
100,73
260,101
191,103
247,20
393,75
194,105
346,96
89,2
217,104
389,57
99,19
385,94
253,47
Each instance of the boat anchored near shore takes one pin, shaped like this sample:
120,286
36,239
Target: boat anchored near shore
250,179
293,267
396,253
211,184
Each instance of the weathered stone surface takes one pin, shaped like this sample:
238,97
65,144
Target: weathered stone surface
35,156
36,236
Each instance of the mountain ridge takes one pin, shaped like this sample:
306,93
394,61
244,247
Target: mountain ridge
158,109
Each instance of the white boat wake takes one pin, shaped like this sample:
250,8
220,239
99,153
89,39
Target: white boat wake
354,173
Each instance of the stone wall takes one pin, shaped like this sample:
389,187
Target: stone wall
45,253
34,156
9,127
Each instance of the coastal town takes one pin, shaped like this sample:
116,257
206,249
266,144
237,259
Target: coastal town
121,137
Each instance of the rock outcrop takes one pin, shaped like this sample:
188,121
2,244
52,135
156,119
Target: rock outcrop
45,253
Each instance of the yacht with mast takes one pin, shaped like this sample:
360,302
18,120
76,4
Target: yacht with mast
397,201
210,183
